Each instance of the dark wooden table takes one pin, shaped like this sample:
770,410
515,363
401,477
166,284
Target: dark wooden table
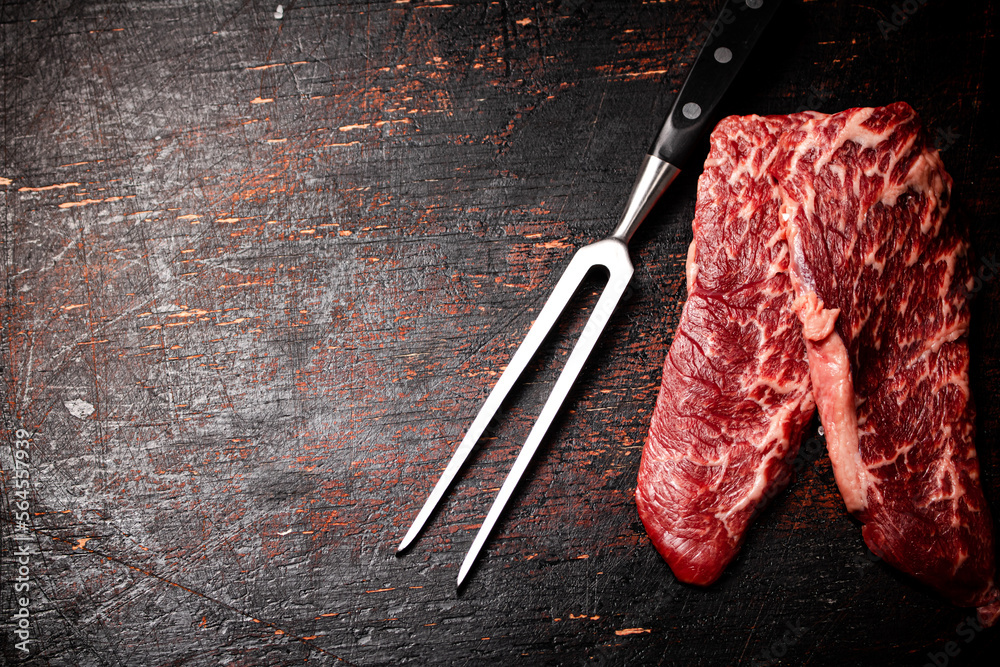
259,274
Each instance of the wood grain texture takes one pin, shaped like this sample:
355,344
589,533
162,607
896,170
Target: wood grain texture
283,262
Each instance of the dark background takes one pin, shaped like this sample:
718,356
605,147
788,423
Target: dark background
282,267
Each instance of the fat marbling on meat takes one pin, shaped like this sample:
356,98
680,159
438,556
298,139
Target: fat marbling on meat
734,398
881,276
825,271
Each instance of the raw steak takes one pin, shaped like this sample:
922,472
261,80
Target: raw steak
881,280
735,392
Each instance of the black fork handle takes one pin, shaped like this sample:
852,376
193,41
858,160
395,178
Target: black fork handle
736,30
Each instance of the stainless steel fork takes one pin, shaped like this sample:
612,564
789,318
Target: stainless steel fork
723,53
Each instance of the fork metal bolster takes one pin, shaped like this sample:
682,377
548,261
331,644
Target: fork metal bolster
655,176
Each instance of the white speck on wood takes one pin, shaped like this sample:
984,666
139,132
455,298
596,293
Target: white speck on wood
167,308
79,408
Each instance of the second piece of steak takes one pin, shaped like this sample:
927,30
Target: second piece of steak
882,280
735,396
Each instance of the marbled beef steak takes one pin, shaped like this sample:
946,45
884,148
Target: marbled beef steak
824,270
881,279
735,395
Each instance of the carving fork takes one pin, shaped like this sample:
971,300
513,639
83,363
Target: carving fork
727,45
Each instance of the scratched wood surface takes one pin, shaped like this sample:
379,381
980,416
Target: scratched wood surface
260,273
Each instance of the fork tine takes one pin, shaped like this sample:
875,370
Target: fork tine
613,254
554,306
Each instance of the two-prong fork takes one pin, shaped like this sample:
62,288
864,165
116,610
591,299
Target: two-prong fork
726,48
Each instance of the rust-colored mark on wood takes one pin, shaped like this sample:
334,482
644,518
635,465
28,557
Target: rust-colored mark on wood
261,67
653,72
379,123
632,631
57,186
85,202
81,542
